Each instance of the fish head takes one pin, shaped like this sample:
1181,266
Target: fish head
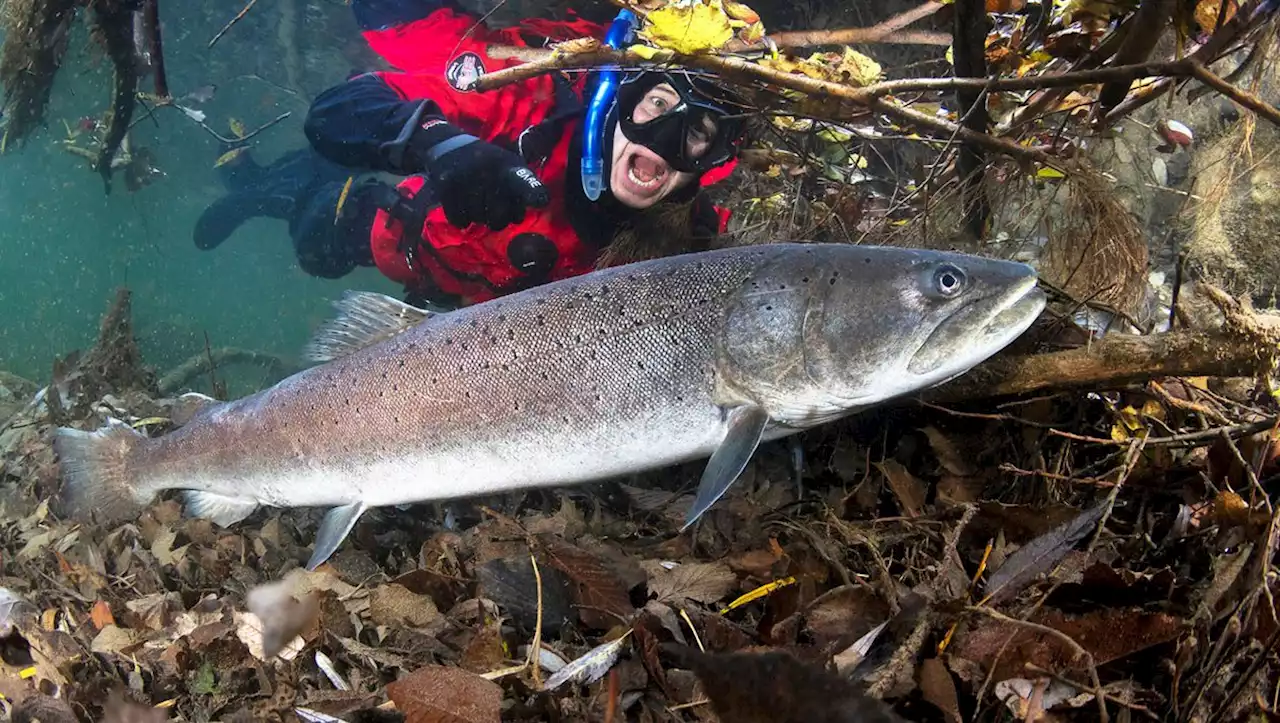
817,334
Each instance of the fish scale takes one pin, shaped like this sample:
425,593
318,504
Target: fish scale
622,370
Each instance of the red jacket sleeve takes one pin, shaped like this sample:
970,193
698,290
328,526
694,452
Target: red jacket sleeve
383,120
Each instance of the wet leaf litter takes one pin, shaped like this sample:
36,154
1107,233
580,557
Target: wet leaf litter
925,575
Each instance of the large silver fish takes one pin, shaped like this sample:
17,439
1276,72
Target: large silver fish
621,370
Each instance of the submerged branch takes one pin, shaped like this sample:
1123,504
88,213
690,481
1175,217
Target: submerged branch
1116,360
204,362
748,72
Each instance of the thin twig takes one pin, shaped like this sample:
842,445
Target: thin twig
247,136
535,650
1239,95
880,32
239,16
1067,639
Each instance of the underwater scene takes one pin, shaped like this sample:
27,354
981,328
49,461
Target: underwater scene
464,361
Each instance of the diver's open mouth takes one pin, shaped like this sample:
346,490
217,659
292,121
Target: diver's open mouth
646,174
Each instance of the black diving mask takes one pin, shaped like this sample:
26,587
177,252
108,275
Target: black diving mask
693,135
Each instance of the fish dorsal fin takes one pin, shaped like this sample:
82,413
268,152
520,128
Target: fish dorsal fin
746,427
364,318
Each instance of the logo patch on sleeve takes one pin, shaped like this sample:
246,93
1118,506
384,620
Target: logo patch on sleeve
463,71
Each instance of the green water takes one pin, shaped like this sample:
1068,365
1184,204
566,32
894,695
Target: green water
65,245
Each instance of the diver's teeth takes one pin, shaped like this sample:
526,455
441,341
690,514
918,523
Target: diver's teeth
631,173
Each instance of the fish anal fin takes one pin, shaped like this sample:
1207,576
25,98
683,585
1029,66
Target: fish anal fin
224,511
364,318
335,527
746,427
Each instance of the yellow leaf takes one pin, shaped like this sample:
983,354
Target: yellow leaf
229,156
149,421
759,592
237,127
1118,433
774,171
644,51
697,28
342,199
738,11
1152,409
753,33
1049,172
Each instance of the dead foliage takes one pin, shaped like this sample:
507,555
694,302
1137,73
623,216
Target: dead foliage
1086,555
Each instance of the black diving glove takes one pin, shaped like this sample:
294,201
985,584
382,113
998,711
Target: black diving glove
475,181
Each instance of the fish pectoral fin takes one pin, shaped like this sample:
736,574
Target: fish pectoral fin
334,529
746,427
364,318
223,510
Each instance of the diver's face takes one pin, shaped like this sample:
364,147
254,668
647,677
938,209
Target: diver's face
638,177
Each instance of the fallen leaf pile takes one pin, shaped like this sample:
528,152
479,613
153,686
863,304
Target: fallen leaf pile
1045,564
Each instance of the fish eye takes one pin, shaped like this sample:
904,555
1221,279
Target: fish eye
948,280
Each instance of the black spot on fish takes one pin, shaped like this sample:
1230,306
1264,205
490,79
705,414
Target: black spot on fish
805,280
511,334
401,364
448,341
768,308
395,387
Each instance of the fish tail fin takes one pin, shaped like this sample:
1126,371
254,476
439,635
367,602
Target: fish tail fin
95,471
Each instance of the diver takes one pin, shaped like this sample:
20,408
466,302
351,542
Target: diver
504,189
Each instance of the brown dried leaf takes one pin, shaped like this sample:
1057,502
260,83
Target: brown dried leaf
601,596
1108,634
949,455
485,652
101,615
909,490
446,694
113,639
705,582
939,689
1041,554
394,605
845,614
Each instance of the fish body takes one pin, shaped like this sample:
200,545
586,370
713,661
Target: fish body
621,370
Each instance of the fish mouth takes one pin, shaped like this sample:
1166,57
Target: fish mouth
978,330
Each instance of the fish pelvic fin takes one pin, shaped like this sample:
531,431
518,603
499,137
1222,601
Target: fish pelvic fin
224,511
96,477
364,318
746,427
335,527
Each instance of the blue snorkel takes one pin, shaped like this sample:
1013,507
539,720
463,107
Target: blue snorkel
622,31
